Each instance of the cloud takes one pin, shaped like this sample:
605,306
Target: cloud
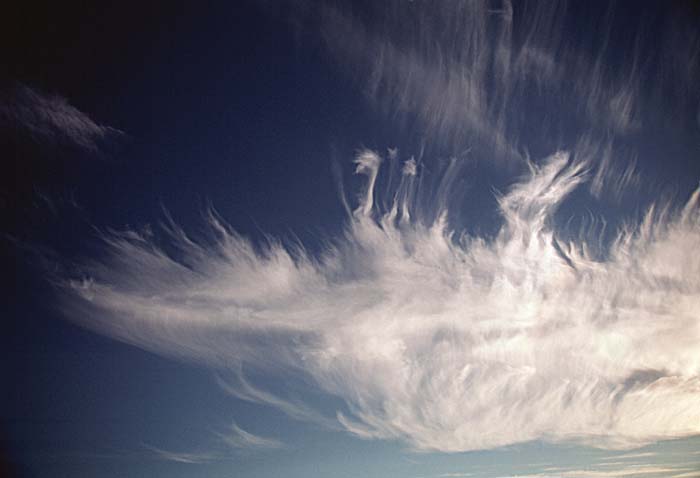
610,177
233,439
238,438
236,384
51,119
183,457
482,74
689,474
446,341
639,471
631,456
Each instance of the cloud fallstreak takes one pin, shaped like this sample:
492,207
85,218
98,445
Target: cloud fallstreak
51,119
466,73
446,341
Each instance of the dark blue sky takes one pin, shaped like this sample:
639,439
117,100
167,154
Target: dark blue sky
115,118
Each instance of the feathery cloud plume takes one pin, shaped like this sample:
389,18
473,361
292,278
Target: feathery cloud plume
446,341
192,458
465,72
51,119
238,438
638,471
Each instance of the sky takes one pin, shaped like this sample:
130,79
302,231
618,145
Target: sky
384,239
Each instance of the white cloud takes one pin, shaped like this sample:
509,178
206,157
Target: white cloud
638,471
183,457
238,438
51,119
689,474
479,73
233,439
237,385
449,343
610,178
631,456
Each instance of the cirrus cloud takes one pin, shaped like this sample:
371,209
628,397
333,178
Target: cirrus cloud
446,341
51,119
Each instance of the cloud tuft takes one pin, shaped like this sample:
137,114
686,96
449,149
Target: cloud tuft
447,342
51,119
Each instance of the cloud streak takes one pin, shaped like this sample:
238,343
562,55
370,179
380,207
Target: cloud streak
51,119
446,341
468,73
192,458
646,471
238,438
233,439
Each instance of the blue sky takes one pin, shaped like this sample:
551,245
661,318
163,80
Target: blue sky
351,239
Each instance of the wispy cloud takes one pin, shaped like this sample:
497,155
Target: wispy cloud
236,384
238,438
233,439
183,457
614,177
448,342
51,119
689,474
479,73
646,471
631,456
